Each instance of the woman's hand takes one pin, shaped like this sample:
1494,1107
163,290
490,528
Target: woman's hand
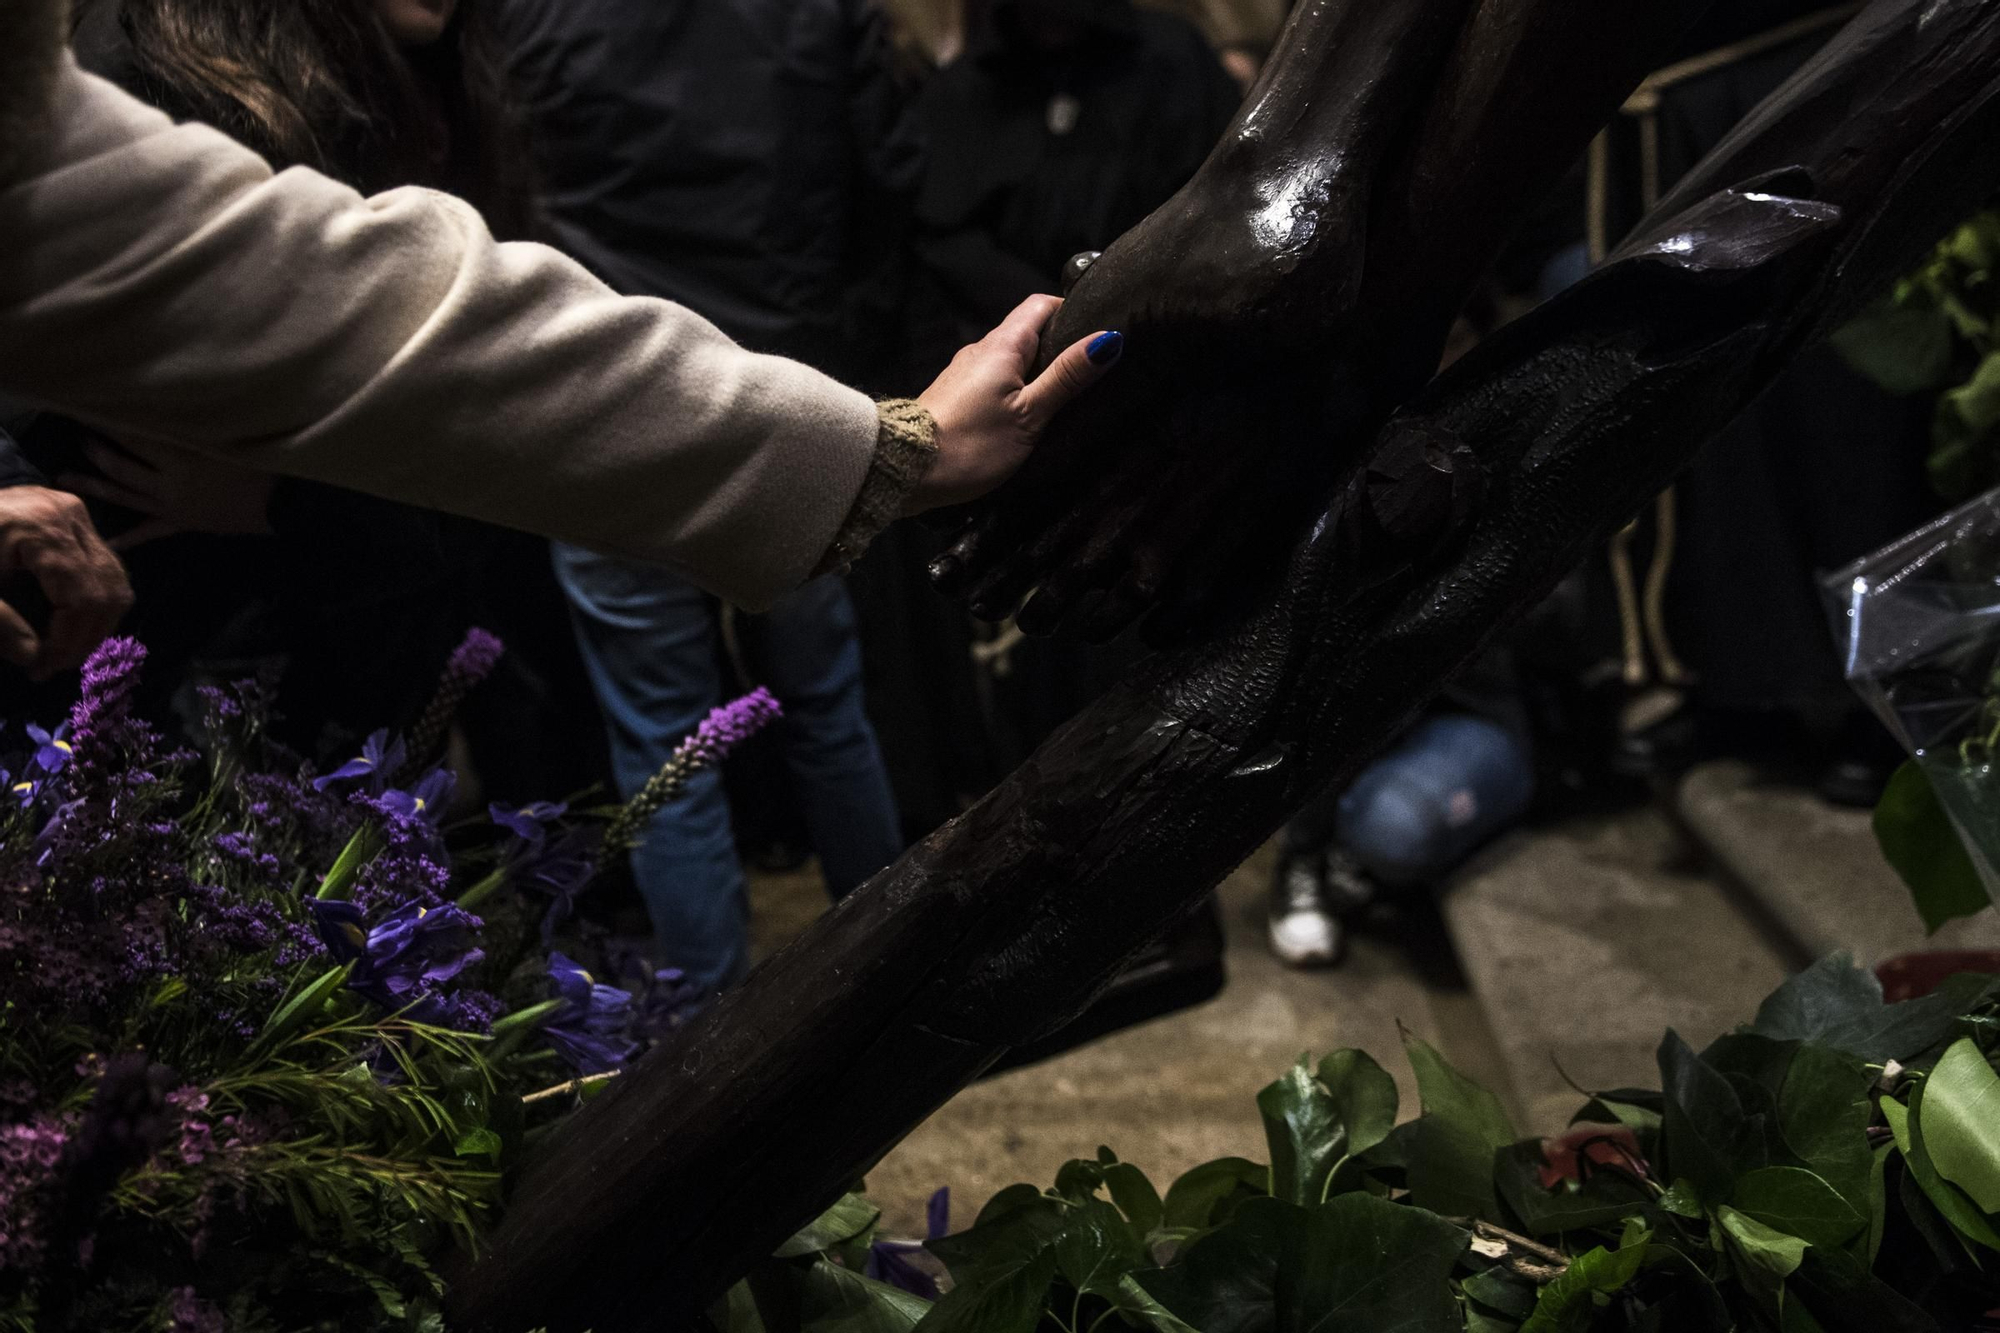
179,491
988,414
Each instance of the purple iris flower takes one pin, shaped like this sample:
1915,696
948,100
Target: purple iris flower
563,870
888,1261
53,750
399,962
528,823
380,757
427,801
589,1030
341,927
25,791
415,949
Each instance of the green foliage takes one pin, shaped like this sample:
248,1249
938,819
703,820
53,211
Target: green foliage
1939,332
1919,839
1752,1194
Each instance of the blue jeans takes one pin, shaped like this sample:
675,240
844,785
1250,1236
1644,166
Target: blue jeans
649,640
1413,815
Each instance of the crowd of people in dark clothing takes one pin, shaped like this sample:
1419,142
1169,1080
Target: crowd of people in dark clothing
782,168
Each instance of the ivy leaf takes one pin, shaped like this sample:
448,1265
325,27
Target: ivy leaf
1569,1304
1961,1123
1958,1211
1904,345
1798,1203
1919,839
852,1216
1848,1298
1002,1270
1079,1180
1765,1256
1356,1265
1840,1005
1305,1134
1605,1199
1824,1111
1704,1123
1364,1094
1502,1292
1457,1142
1133,1193
1210,1194
838,1300
478,1142
1097,1248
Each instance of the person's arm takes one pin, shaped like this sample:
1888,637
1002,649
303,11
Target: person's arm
161,283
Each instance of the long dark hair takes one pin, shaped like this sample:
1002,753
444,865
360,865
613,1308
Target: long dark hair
320,83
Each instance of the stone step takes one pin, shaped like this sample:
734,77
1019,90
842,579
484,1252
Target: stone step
1814,869
1583,942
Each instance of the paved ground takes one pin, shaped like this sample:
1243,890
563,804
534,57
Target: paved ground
1178,1092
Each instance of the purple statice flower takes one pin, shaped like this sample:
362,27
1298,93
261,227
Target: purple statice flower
59,832
469,1011
240,848
589,1030
888,1260
470,663
189,1313
197,1139
381,755
52,748
412,865
31,1158
102,729
427,801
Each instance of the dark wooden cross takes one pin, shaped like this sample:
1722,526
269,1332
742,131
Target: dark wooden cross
1317,532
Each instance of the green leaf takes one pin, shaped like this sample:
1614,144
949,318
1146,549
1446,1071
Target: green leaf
1957,1210
1097,1248
1765,1257
838,1300
1846,1296
1921,842
1964,430
1798,1203
737,1311
1007,1289
1683,1200
1136,1302
1605,1199
1878,1196
1135,1196
1569,1303
1840,1005
1457,1141
1364,1095
295,1012
1305,1133
1502,1292
1209,1195
852,1216
360,850
1824,1111
1905,346
480,1142
1705,1127
1961,1123
1356,1265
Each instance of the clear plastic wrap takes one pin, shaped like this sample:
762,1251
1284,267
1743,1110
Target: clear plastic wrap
1919,629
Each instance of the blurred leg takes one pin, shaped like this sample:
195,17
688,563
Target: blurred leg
1423,808
648,640
810,657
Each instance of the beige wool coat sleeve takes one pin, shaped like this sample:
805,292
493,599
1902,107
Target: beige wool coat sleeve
159,281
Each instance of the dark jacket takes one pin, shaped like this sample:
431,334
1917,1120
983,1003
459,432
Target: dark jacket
1038,156
754,160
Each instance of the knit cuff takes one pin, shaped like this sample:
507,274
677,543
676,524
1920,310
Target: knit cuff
905,449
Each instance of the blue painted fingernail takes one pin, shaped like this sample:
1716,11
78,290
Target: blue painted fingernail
1106,348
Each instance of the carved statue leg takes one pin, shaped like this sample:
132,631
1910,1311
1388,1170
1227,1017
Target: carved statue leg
1296,292
1475,499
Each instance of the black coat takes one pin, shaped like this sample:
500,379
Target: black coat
1039,156
754,160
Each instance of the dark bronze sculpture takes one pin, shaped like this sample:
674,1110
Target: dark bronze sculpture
1281,360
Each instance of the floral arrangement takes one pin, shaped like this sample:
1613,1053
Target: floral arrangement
273,1038
1833,1166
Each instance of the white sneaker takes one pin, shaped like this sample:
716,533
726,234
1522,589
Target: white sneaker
1304,933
